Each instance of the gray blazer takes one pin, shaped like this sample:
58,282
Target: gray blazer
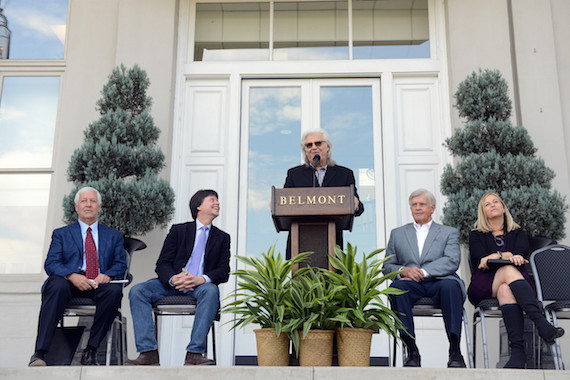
440,257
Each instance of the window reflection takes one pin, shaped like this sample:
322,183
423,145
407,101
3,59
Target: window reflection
346,114
274,130
38,28
23,215
274,124
390,29
28,109
311,30
232,32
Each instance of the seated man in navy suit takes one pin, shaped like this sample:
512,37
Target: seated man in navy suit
194,260
428,255
82,259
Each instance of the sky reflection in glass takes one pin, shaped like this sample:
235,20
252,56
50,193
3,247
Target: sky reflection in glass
274,147
38,28
28,112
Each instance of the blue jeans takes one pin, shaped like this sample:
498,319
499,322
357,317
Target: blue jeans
142,296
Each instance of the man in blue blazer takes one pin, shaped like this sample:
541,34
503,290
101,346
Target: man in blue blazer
320,170
194,260
428,255
71,275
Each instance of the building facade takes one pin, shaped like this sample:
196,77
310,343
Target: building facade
234,84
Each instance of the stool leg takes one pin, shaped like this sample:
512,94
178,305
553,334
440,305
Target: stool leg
467,339
484,338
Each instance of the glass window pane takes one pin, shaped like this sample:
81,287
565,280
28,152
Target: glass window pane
274,130
28,110
23,215
311,31
37,27
232,32
390,29
346,114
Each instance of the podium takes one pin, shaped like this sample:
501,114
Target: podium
312,215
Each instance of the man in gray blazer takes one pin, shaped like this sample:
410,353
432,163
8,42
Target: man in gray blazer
428,255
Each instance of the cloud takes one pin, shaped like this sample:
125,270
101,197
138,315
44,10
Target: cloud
37,23
258,199
39,158
273,109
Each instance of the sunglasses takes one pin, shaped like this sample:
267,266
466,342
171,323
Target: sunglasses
317,144
499,241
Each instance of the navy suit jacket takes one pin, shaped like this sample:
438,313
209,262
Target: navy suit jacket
178,247
66,252
302,176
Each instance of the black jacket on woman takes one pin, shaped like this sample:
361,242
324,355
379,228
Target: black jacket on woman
482,244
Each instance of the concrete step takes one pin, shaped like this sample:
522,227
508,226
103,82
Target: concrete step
281,373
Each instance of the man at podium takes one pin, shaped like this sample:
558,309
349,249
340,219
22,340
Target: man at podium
320,170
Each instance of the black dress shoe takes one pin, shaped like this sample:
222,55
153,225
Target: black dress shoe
456,360
37,360
89,357
413,359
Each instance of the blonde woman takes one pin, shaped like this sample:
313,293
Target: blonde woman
497,236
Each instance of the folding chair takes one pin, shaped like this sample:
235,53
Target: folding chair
550,268
426,307
489,308
85,307
181,305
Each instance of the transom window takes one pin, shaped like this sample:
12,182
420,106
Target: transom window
312,30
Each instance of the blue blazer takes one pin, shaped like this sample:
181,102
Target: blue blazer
66,251
440,256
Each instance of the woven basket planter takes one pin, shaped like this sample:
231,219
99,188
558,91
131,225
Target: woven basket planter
316,349
353,346
272,350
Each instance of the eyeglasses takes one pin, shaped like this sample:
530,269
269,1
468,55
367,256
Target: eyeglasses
499,241
317,144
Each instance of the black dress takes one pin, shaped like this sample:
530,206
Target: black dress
483,244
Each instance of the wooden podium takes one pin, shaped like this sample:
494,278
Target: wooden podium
313,214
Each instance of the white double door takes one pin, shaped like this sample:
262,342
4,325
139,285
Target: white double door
274,115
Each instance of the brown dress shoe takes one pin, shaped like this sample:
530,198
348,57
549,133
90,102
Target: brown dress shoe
145,358
193,358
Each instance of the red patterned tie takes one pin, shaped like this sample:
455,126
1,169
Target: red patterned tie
91,259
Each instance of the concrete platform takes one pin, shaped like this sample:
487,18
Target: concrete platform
274,373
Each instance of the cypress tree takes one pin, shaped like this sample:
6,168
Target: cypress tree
496,156
120,158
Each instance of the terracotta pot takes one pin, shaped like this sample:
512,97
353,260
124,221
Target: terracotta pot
272,350
316,349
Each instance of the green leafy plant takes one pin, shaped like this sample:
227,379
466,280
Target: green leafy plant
263,290
311,304
497,156
120,158
359,294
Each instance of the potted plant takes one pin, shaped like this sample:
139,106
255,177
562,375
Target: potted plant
260,297
120,157
311,317
361,309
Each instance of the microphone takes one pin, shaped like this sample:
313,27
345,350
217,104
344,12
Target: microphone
316,159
